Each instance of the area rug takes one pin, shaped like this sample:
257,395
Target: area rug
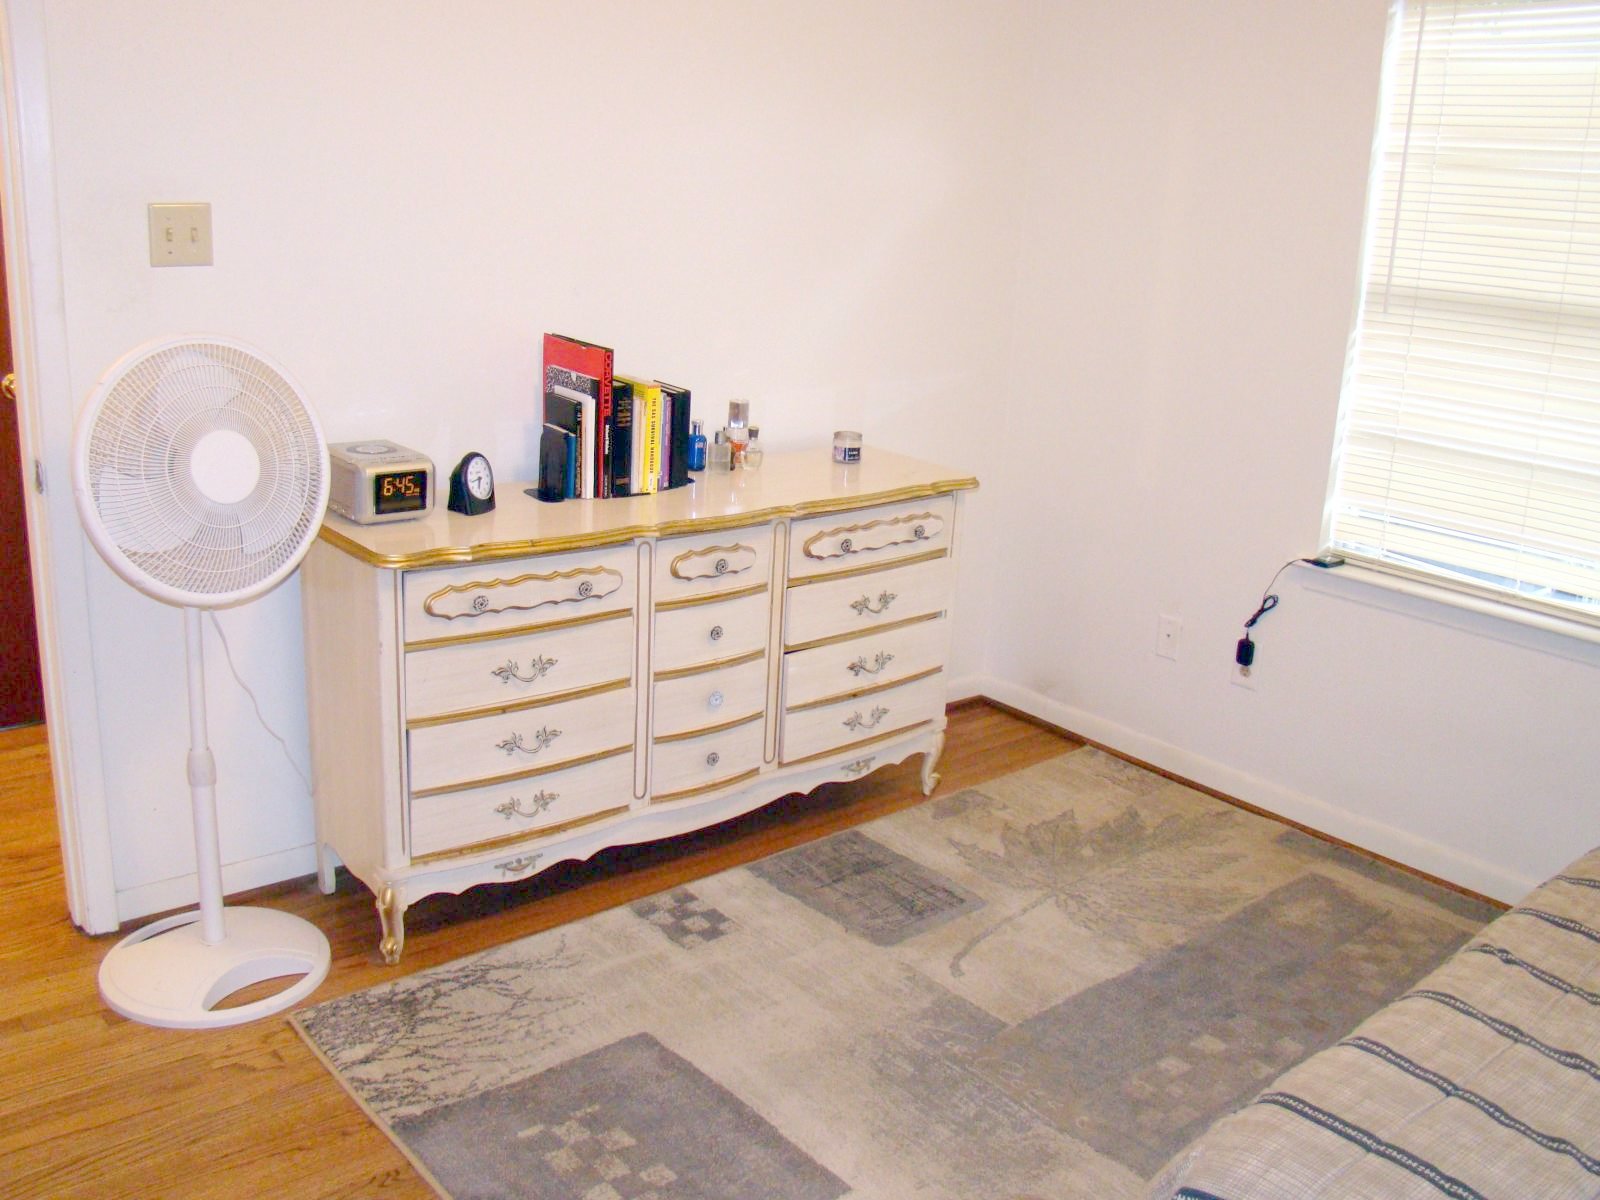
1041,988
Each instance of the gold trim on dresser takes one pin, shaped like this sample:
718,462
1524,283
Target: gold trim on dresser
722,561
836,543
593,583
892,564
495,635
849,746
467,785
707,730
596,539
702,668
522,835
709,598
868,691
834,639
705,788
500,710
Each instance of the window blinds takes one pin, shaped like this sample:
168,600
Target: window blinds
1469,437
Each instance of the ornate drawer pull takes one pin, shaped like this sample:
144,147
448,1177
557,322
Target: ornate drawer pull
857,721
714,700
538,668
860,765
513,807
864,605
879,662
542,739
713,759
716,633
516,866
525,592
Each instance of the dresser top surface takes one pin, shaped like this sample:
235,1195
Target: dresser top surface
790,484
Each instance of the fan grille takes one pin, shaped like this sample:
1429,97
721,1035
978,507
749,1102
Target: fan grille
140,464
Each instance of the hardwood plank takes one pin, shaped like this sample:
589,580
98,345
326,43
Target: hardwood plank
92,1105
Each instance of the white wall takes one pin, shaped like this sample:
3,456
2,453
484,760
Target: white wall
1193,225
804,204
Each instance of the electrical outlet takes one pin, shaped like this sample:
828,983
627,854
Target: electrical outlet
1167,631
180,235
1242,676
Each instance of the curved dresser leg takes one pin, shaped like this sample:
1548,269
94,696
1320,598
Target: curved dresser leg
930,760
393,915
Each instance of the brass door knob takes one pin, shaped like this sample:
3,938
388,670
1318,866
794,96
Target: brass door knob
8,387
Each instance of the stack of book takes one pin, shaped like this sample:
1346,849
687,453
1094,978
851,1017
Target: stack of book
621,436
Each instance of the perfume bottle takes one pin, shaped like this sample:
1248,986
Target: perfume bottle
697,446
753,453
738,430
721,457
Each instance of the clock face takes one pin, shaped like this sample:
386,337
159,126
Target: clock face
479,478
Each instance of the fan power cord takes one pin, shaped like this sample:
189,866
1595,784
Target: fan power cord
227,653
1244,654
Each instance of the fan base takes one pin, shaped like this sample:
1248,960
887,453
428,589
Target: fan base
164,974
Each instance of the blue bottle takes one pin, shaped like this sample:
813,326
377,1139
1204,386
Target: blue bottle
697,446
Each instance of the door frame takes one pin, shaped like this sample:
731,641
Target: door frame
46,408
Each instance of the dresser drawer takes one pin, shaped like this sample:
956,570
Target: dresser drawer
691,766
485,598
857,603
464,676
507,745
842,541
485,817
703,633
838,669
709,564
707,698
816,730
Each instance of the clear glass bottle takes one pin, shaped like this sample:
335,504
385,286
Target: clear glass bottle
753,453
721,456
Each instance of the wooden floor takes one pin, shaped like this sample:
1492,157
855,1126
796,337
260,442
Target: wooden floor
93,1105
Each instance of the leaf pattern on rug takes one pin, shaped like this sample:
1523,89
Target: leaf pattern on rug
437,1036
1116,879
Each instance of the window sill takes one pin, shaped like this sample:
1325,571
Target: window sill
1403,592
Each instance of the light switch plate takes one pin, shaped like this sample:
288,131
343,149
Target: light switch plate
180,235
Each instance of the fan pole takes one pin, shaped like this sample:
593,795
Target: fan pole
203,786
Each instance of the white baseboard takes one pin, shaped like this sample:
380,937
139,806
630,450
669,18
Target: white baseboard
1420,853
182,891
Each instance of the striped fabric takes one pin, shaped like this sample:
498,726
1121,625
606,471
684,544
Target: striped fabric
1482,1081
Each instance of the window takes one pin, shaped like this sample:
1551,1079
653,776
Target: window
1468,449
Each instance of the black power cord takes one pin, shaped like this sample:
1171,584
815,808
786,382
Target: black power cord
1244,654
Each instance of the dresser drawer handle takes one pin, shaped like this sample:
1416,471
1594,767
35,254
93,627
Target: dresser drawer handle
537,669
513,807
865,605
720,566
714,700
857,721
514,744
516,866
716,633
859,766
713,759
879,662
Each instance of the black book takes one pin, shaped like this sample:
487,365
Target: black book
621,440
677,438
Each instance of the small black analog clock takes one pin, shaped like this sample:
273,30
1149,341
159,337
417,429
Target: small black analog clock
472,486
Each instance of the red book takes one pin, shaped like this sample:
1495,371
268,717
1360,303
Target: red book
565,357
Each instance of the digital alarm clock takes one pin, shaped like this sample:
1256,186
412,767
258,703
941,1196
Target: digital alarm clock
375,481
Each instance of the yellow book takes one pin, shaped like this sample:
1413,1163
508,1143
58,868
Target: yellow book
638,440
648,464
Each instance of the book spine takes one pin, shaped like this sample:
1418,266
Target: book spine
621,433
652,439
586,437
604,405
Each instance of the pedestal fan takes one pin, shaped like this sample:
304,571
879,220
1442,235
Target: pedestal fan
201,478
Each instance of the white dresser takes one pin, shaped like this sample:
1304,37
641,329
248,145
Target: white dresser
493,695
